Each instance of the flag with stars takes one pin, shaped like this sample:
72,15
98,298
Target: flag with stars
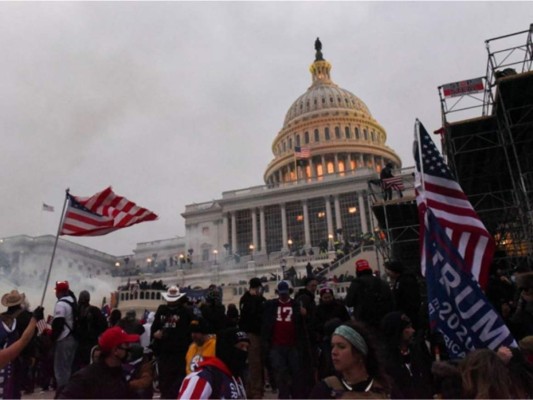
437,189
101,213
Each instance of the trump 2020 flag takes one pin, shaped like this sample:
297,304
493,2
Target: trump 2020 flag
437,189
457,306
102,213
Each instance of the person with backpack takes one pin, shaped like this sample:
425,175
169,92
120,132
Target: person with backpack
90,325
370,297
63,329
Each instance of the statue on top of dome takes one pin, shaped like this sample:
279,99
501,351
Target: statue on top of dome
318,48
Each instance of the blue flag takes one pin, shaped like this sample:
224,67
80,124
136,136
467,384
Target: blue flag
457,306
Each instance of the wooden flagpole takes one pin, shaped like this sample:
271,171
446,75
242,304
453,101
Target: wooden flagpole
55,246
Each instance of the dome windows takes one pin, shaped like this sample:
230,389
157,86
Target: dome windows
347,132
317,136
306,137
326,133
337,132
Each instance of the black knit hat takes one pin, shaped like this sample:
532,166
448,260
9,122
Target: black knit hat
394,266
255,283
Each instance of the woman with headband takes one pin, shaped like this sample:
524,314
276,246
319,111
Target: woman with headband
358,371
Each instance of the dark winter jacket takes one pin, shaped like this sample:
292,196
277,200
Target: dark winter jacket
97,381
251,308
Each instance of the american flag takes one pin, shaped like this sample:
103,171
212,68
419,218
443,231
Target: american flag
102,213
46,207
437,189
302,152
396,183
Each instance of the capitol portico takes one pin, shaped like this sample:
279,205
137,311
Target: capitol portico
307,199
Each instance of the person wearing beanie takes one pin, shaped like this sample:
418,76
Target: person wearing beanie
251,306
406,357
405,291
220,377
202,346
104,378
369,296
91,324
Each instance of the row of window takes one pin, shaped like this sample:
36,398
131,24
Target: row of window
318,229
289,143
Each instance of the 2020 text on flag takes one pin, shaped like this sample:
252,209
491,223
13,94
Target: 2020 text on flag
102,213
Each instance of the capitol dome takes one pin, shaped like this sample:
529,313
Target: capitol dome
327,131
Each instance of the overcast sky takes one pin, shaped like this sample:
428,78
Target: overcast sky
174,103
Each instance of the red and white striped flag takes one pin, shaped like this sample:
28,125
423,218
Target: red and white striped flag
102,213
396,183
437,189
302,152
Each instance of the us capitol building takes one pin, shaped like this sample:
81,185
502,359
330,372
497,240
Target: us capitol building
315,193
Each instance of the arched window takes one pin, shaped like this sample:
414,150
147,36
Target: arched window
306,137
290,142
357,136
297,140
326,133
317,136
365,133
337,132
347,132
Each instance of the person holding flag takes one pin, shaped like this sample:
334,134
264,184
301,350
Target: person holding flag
456,253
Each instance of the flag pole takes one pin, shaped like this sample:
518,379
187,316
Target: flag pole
419,149
55,246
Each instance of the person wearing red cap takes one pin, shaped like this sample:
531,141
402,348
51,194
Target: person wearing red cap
103,379
370,297
62,329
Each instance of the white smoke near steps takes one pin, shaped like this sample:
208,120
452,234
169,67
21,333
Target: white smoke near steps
31,282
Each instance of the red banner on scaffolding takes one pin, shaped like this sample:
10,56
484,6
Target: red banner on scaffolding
463,87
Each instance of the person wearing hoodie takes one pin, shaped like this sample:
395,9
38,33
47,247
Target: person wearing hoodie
220,377
407,359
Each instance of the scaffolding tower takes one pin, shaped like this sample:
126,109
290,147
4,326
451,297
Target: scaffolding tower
487,140
491,153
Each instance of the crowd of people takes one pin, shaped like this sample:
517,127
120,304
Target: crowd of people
374,343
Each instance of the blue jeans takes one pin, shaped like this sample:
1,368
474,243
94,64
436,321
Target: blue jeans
65,350
286,365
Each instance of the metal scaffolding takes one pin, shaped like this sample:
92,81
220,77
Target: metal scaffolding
491,153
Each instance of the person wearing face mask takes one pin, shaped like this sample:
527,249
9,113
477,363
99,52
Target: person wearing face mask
220,377
138,372
104,378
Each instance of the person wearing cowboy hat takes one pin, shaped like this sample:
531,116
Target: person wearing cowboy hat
17,319
171,337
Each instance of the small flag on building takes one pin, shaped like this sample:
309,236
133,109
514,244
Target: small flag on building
302,152
102,213
46,207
